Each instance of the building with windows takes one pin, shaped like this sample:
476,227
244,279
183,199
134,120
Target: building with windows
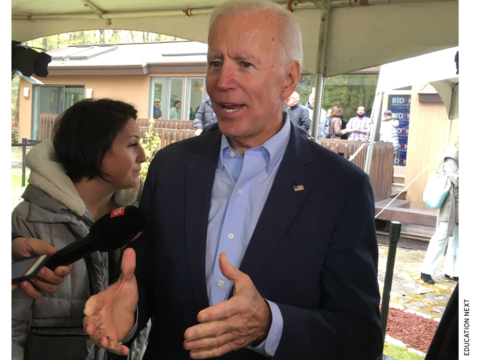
138,73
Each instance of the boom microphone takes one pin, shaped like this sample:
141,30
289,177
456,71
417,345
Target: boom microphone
109,233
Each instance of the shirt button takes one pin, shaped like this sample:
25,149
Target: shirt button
230,236
239,191
231,154
220,283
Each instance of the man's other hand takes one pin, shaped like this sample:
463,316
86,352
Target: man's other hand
46,279
244,319
197,132
110,315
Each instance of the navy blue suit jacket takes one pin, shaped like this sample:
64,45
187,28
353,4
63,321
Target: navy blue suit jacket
313,252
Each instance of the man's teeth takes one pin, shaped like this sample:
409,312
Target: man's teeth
230,107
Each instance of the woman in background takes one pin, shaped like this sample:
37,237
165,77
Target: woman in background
447,229
335,123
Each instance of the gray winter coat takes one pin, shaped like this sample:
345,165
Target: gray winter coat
205,115
449,211
53,211
324,126
298,115
389,130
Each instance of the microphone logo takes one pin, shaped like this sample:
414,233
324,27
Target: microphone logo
136,237
118,212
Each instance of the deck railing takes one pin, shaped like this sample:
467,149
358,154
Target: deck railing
46,124
169,131
381,164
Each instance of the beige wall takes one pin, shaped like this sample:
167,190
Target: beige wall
134,89
427,136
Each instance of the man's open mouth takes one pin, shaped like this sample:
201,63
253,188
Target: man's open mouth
230,108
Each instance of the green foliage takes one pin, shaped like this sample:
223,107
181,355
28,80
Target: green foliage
15,137
15,86
347,91
150,144
92,37
17,180
399,353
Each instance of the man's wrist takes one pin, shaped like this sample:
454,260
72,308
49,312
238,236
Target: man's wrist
268,326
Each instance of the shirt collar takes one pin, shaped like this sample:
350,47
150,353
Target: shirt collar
274,147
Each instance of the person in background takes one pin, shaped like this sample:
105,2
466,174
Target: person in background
335,123
46,279
323,127
174,111
447,231
89,167
297,113
157,113
205,116
358,127
389,130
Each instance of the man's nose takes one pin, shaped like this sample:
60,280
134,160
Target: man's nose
227,76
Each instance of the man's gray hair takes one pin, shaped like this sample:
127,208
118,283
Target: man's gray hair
290,34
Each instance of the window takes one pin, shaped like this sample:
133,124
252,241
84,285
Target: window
175,93
52,99
195,95
158,100
169,91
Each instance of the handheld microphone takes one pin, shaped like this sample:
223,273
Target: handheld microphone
109,233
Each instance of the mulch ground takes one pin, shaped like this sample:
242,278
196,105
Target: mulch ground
413,330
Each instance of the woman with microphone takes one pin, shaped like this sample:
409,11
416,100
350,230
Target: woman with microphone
90,167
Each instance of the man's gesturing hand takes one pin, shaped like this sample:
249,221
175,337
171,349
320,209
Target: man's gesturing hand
232,324
110,315
46,279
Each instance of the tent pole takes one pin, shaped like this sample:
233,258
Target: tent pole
374,116
320,76
450,114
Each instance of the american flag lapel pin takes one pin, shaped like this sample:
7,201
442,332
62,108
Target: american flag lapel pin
298,188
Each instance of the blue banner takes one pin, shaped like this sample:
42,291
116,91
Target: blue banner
401,105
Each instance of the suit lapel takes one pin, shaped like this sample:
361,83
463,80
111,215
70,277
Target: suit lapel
200,173
282,205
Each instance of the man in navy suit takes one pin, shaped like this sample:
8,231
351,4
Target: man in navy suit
248,250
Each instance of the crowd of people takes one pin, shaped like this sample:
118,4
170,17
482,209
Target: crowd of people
238,256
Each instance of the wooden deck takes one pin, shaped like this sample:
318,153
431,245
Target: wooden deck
407,212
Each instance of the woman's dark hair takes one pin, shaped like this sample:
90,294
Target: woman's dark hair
337,111
85,132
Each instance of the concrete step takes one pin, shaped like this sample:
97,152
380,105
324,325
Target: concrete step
396,189
398,179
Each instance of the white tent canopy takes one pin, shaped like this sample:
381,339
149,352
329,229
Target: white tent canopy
437,68
358,36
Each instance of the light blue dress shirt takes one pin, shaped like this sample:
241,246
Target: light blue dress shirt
241,187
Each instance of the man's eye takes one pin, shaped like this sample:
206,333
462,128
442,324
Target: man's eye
246,64
134,145
215,63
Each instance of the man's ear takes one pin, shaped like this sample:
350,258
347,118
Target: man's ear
292,76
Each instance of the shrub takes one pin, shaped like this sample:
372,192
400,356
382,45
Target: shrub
150,144
15,137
